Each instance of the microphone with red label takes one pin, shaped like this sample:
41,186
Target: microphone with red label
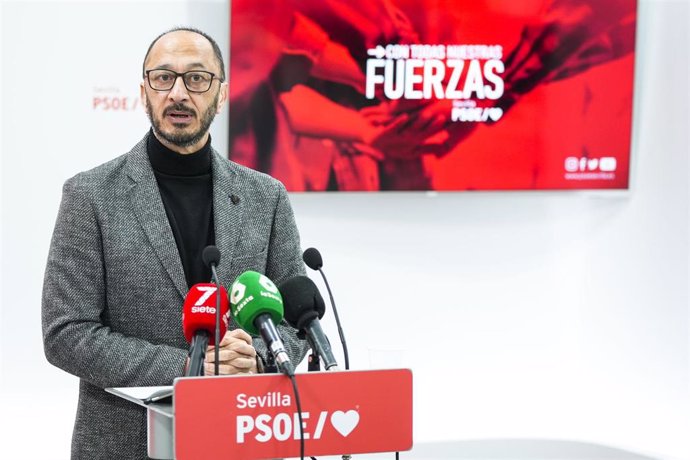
199,322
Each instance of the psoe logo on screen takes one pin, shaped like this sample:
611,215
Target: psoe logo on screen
586,168
282,426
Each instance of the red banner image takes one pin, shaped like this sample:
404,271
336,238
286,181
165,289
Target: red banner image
255,417
334,95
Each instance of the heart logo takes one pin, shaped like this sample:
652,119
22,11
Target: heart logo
345,422
592,164
495,113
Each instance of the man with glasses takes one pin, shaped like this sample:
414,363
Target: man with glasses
127,246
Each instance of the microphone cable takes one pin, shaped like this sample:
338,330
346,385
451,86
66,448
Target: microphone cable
211,257
298,403
216,355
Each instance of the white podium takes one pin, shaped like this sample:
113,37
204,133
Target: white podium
159,417
256,416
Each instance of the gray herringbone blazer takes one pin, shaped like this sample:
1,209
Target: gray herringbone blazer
114,285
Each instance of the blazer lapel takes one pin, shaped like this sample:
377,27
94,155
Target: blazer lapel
228,207
148,207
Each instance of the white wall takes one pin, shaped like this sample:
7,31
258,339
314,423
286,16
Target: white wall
523,315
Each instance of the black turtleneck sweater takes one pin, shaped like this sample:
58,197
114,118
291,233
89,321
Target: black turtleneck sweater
186,187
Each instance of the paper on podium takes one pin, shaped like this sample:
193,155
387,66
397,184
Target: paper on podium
157,398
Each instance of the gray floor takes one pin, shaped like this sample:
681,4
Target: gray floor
507,449
520,449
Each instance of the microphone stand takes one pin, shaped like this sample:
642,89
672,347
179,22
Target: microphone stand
216,351
197,352
346,355
313,361
270,366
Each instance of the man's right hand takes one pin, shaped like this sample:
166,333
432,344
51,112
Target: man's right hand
236,355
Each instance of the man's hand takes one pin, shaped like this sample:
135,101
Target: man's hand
236,355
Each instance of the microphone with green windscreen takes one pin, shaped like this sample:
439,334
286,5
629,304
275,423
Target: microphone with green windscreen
257,306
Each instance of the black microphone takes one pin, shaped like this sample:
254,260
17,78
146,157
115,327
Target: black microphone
304,306
312,257
211,258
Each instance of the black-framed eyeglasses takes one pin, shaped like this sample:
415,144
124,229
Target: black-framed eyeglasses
196,81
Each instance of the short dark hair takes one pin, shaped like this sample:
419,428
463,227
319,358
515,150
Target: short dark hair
214,45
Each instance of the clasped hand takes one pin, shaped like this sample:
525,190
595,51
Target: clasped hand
236,355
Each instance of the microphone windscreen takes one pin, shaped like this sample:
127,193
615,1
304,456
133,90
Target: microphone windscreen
199,310
312,257
302,301
253,294
210,255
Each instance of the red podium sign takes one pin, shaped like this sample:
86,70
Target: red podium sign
255,416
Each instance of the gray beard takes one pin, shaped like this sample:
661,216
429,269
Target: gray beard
184,140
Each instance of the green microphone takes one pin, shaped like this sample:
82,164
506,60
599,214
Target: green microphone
257,306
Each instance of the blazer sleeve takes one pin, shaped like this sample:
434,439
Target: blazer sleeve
284,261
74,300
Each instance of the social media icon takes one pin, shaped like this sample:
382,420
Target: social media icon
607,164
571,164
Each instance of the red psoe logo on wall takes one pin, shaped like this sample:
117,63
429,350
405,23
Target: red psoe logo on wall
254,417
111,99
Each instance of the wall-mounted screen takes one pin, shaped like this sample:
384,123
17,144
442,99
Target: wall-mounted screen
369,95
